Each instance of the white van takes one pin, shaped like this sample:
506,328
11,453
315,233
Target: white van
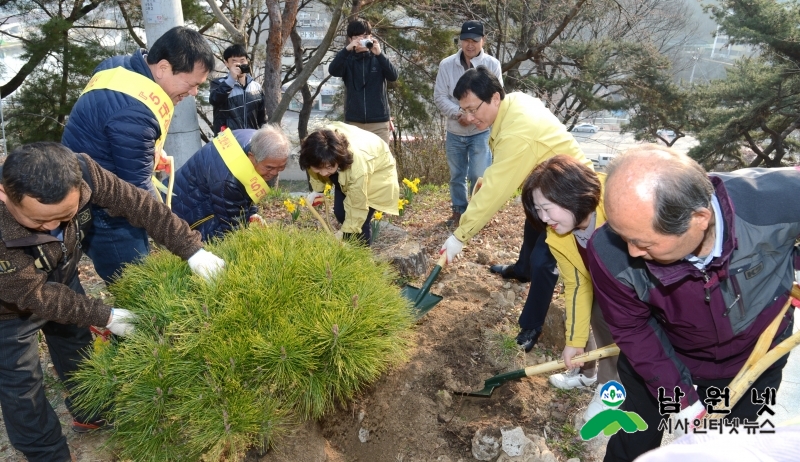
602,160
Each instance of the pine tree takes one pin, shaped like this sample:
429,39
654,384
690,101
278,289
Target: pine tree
297,323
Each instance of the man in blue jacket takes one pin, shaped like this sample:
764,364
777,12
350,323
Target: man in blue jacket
207,192
689,271
121,122
365,71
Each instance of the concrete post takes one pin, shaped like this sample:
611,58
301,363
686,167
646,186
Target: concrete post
183,139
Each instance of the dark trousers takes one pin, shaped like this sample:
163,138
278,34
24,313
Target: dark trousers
112,242
31,423
624,446
338,211
538,264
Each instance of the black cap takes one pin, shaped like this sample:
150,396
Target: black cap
471,30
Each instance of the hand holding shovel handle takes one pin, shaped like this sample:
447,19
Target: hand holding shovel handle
493,382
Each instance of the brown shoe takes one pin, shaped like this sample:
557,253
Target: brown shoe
454,220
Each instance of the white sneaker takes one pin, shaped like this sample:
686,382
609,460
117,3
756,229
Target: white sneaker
571,379
595,406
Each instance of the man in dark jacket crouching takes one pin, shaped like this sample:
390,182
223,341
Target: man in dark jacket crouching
218,188
45,199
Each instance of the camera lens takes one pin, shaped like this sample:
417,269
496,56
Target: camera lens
245,68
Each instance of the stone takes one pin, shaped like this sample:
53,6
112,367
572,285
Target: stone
510,296
553,332
408,258
486,443
363,435
540,442
444,398
514,441
547,456
574,459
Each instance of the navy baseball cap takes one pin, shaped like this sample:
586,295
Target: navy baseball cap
471,30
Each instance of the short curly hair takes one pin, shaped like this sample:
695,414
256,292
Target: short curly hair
565,182
325,148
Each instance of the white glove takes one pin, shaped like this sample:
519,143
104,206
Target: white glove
257,219
696,411
121,322
452,246
206,264
314,198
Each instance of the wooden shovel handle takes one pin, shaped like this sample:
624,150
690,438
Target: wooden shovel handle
739,386
600,353
319,218
760,359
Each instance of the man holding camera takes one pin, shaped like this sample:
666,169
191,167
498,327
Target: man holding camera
237,99
365,71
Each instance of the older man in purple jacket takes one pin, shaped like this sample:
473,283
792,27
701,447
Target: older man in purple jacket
689,271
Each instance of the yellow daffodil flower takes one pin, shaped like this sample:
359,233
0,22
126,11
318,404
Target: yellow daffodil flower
377,216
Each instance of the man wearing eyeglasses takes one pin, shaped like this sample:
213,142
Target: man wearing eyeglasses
218,189
466,146
523,134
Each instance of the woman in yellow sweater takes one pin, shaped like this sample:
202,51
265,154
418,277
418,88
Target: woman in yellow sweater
565,197
360,168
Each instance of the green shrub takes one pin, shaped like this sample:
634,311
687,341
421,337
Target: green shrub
297,323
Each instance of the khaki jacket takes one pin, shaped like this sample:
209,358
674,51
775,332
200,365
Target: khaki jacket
578,289
524,134
370,182
27,289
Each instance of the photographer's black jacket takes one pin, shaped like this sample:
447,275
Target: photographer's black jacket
365,76
237,107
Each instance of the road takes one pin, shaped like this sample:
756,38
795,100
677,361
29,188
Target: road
612,142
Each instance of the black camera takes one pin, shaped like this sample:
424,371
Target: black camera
245,68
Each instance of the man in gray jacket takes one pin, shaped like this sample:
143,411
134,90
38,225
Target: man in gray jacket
467,148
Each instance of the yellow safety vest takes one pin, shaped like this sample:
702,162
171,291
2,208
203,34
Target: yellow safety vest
238,163
156,99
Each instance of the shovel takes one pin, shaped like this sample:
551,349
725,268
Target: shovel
493,382
423,300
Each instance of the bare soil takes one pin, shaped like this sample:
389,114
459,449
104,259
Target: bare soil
414,412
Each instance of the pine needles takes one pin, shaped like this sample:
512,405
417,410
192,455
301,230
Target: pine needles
297,323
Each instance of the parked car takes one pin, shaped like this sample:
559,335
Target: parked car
586,128
602,160
666,133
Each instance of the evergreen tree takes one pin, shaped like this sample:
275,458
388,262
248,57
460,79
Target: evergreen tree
758,105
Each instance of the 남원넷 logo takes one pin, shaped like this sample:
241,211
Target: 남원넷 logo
610,421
